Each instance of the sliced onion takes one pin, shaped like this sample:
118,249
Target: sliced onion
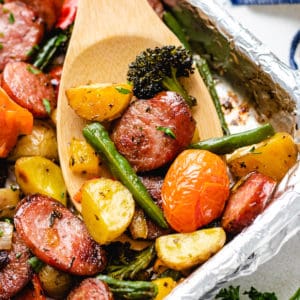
6,233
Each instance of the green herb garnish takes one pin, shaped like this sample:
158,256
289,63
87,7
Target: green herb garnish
166,130
35,263
47,105
33,70
11,18
122,90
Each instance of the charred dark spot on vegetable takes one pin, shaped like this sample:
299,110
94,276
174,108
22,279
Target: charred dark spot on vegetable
23,177
243,165
55,214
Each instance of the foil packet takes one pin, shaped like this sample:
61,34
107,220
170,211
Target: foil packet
263,2
273,89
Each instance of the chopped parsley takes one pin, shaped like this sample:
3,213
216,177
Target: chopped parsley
166,130
233,293
1,232
122,90
11,18
35,264
33,70
1,46
47,105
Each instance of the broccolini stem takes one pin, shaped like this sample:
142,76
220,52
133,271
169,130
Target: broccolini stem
129,271
98,137
229,143
172,84
201,65
127,289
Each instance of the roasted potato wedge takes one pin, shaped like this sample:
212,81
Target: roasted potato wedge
182,251
36,174
100,102
9,199
107,208
41,142
272,157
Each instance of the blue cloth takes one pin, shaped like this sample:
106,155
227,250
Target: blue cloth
259,2
294,45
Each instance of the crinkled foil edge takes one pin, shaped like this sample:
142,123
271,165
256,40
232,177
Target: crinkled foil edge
281,220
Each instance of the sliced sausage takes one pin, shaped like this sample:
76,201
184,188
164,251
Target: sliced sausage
92,289
141,226
152,132
21,29
157,7
29,87
47,10
247,201
58,237
17,272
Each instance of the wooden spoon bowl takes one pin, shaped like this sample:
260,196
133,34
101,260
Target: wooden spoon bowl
107,36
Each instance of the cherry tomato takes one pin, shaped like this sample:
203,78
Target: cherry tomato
195,190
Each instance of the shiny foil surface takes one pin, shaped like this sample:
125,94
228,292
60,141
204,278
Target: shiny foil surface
273,89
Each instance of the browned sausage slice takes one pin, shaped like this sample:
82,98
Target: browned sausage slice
29,87
92,289
20,31
58,237
45,9
247,202
152,132
17,272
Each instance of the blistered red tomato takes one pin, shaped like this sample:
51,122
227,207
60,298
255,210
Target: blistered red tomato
195,190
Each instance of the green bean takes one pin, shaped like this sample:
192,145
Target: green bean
48,51
130,289
201,64
229,143
98,137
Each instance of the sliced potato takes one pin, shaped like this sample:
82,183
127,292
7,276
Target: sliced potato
41,141
107,208
36,174
100,102
9,199
165,285
83,159
181,251
272,157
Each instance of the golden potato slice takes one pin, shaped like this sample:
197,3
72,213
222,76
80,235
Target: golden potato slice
100,102
181,251
9,198
107,208
165,285
84,159
272,157
41,142
36,174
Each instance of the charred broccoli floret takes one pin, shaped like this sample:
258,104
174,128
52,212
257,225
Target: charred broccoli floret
158,69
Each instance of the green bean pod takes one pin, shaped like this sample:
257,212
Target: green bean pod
127,289
229,143
98,137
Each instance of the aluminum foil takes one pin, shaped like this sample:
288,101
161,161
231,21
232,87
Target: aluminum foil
274,90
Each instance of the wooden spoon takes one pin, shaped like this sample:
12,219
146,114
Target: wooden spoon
107,36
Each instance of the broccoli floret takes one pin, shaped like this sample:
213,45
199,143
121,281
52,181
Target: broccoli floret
158,69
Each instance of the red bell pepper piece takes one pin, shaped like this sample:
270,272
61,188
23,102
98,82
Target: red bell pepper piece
67,14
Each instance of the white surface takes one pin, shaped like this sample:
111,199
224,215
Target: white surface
275,26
